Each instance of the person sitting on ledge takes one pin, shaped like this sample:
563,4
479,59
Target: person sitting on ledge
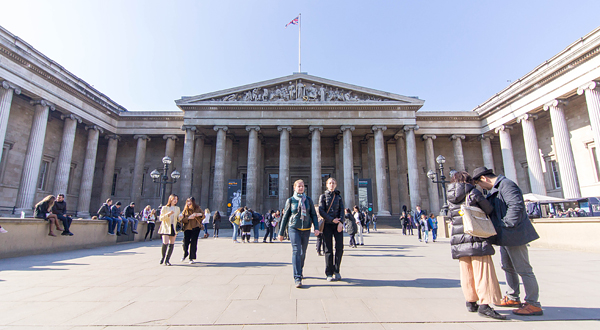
115,213
60,209
104,213
129,213
42,211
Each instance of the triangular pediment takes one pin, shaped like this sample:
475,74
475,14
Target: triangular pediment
299,89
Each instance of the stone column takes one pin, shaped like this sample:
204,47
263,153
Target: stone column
413,168
402,170
486,150
185,188
564,151
459,157
109,166
532,150
383,205
284,164
508,159
316,183
219,177
138,169
33,156
348,160
339,162
432,188
170,152
197,171
592,99
6,94
252,176
87,178
61,181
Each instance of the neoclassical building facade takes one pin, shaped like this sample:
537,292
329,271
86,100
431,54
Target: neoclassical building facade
60,135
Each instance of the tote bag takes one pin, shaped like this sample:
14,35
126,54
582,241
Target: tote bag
475,222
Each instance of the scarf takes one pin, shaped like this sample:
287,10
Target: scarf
301,198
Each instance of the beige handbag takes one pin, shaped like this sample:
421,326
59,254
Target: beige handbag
475,222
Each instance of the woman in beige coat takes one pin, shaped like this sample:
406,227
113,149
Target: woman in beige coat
170,214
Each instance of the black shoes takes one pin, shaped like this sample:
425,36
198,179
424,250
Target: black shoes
67,233
472,306
487,311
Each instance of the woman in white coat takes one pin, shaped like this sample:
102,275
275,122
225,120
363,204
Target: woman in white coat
170,215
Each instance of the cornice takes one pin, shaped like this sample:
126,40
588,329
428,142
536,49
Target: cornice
301,106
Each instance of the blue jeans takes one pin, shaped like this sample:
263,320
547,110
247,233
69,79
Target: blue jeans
256,228
134,223
299,240
235,230
125,223
111,223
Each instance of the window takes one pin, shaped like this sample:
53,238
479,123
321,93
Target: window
114,184
43,176
71,178
244,179
555,175
274,184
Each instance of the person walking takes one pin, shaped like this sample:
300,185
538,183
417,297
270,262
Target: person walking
216,224
410,224
205,222
320,236
360,223
416,218
404,222
298,216
374,220
331,209
151,220
268,226
43,210
170,215
514,230
351,226
425,228
246,224
477,273
367,221
192,221
433,225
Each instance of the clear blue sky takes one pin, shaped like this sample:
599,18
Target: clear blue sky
453,54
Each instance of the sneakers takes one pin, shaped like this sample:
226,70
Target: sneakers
135,232
3,231
528,310
329,278
337,277
298,283
472,307
487,311
192,262
507,302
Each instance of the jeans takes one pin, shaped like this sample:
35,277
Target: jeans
269,234
66,220
190,237
134,223
111,223
332,262
352,240
426,235
256,228
125,224
299,240
374,226
515,262
235,230
434,233
360,234
205,225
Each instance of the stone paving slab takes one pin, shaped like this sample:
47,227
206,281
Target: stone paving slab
392,282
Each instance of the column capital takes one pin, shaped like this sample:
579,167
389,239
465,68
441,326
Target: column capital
112,137
345,127
484,136
71,116
8,85
312,128
399,135
457,136
588,86
555,104
526,117
141,136
287,128
428,136
43,103
411,127
200,136
96,127
170,136
186,127
218,127
503,128
253,127
378,128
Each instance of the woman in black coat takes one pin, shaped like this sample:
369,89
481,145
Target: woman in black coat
331,209
477,273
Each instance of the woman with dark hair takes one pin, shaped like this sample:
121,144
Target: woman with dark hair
192,224
43,210
331,209
216,224
477,274
351,226
169,216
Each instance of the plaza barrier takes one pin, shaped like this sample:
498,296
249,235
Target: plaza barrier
579,234
29,236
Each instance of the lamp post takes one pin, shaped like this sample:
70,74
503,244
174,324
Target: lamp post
163,179
441,178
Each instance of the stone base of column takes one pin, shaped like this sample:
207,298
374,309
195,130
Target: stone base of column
84,215
384,213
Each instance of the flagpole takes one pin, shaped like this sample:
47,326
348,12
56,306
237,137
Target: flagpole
299,42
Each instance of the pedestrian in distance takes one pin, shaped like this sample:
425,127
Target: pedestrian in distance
246,224
268,222
360,222
433,225
404,222
374,221
425,228
477,273
298,217
216,224
205,222
351,227
331,209
192,221
170,215
236,220
151,223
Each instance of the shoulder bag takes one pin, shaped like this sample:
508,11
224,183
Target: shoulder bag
475,222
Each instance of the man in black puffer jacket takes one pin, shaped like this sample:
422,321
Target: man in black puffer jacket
331,209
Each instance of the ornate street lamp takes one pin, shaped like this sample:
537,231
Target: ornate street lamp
163,179
441,178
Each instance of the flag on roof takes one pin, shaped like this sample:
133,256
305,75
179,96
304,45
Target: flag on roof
293,22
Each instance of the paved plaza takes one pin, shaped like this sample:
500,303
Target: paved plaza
393,282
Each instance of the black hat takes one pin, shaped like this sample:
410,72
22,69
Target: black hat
478,172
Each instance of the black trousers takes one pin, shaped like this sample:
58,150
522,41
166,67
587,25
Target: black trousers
332,262
190,240
320,243
269,234
419,232
150,230
66,220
